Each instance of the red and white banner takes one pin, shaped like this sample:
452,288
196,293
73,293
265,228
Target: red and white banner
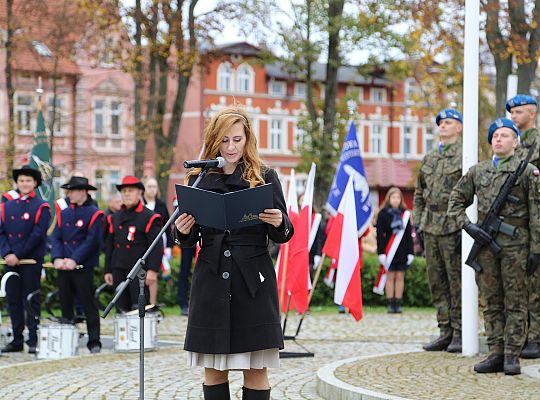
390,251
342,245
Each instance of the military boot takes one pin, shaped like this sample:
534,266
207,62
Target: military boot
439,344
493,363
252,394
532,350
216,392
511,365
455,345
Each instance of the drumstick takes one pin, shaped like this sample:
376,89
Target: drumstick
22,261
51,265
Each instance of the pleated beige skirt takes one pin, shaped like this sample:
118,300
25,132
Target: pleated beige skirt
268,358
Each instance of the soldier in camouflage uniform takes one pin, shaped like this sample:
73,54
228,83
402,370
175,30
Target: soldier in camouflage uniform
523,110
503,279
439,173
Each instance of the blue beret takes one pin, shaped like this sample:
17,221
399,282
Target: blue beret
520,100
449,113
500,123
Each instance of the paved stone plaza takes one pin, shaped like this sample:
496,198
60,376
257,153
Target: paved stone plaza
331,336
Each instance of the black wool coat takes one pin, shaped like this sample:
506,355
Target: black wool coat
384,232
233,306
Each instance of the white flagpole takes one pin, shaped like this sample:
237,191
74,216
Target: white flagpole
469,290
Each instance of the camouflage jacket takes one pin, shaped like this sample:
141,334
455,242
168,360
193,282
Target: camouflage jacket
532,138
485,181
437,176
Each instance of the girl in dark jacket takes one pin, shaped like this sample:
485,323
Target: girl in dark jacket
234,320
390,224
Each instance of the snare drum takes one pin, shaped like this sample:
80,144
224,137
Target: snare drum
126,332
58,341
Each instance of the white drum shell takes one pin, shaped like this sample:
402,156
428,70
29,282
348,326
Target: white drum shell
126,332
57,341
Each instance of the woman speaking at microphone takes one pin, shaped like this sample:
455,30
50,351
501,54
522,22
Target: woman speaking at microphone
234,321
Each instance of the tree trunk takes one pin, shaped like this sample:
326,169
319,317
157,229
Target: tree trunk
10,148
325,169
503,69
140,141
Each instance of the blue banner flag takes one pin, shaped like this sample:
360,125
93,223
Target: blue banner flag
351,165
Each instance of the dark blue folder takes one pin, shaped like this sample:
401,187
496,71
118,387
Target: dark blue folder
225,211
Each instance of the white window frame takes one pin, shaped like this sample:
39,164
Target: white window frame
299,136
409,136
428,136
378,95
107,114
277,133
95,109
372,136
245,77
116,113
62,123
300,89
27,113
273,84
351,89
225,73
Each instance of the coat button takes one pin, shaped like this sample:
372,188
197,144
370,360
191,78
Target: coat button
225,275
227,253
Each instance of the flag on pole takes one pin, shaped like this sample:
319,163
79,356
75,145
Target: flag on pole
351,166
342,245
282,259
40,159
298,279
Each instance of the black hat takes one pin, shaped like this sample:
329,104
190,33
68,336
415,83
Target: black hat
77,182
27,170
130,181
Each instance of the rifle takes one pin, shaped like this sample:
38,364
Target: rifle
492,224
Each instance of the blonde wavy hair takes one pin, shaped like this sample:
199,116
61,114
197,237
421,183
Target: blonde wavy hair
215,131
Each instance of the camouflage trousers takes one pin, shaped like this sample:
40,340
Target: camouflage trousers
443,265
503,284
534,308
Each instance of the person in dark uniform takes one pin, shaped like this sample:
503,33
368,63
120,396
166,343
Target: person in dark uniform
75,242
131,231
23,243
234,320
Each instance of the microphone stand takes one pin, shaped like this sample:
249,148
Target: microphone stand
139,272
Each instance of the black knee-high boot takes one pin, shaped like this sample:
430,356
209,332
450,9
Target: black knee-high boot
216,392
253,394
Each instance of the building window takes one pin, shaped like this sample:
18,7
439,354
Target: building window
378,95
277,88
407,140
98,117
376,139
429,139
300,89
245,79
276,134
55,114
24,110
116,110
225,76
298,137
114,179
355,93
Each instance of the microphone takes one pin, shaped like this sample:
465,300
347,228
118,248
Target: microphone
218,162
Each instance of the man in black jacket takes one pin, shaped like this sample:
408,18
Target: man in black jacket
130,232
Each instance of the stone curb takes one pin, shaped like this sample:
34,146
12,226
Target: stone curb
331,388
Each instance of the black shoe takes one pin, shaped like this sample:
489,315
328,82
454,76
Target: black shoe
455,345
439,344
252,394
95,349
216,392
32,349
397,306
12,348
493,363
390,306
511,365
532,350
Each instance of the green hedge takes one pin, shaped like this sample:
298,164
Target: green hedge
416,286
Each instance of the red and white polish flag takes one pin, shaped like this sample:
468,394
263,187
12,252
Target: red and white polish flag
342,245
